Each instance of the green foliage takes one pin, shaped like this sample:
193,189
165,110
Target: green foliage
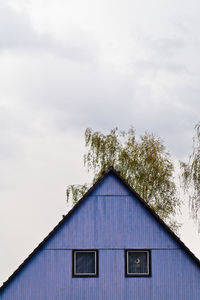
76,191
144,164
191,174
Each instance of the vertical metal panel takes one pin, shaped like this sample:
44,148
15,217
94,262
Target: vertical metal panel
49,276
111,186
110,220
174,276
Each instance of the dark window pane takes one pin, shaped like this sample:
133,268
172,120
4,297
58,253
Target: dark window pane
138,263
85,262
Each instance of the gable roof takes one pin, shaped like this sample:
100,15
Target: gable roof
110,170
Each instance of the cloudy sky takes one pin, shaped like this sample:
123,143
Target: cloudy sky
68,65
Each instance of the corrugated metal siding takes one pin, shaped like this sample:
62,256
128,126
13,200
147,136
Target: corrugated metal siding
111,224
174,276
49,276
111,186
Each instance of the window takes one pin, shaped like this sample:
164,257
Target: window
137,263
85,263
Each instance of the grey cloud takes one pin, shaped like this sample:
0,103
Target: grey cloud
81,97
15,28
160,65
65,98
13,126
17,33
69,97
50,96
169,117
190,97
163,54
16,120
166,46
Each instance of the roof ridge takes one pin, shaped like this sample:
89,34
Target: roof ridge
111,169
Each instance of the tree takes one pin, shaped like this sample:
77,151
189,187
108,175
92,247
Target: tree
191,176
144,164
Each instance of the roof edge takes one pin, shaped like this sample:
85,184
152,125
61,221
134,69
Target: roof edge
162,223
112,170
55,228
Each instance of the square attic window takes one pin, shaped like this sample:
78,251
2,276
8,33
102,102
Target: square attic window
137,263
85,263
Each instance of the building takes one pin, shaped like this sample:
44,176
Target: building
110,246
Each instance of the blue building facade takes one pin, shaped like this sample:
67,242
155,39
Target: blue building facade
111,245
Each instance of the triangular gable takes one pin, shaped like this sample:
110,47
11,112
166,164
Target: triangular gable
111,218
103,187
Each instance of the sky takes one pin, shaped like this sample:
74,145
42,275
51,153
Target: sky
69,65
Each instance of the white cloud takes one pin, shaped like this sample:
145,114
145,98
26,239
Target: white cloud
67,65
18,33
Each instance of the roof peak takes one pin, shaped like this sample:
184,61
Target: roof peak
110,169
